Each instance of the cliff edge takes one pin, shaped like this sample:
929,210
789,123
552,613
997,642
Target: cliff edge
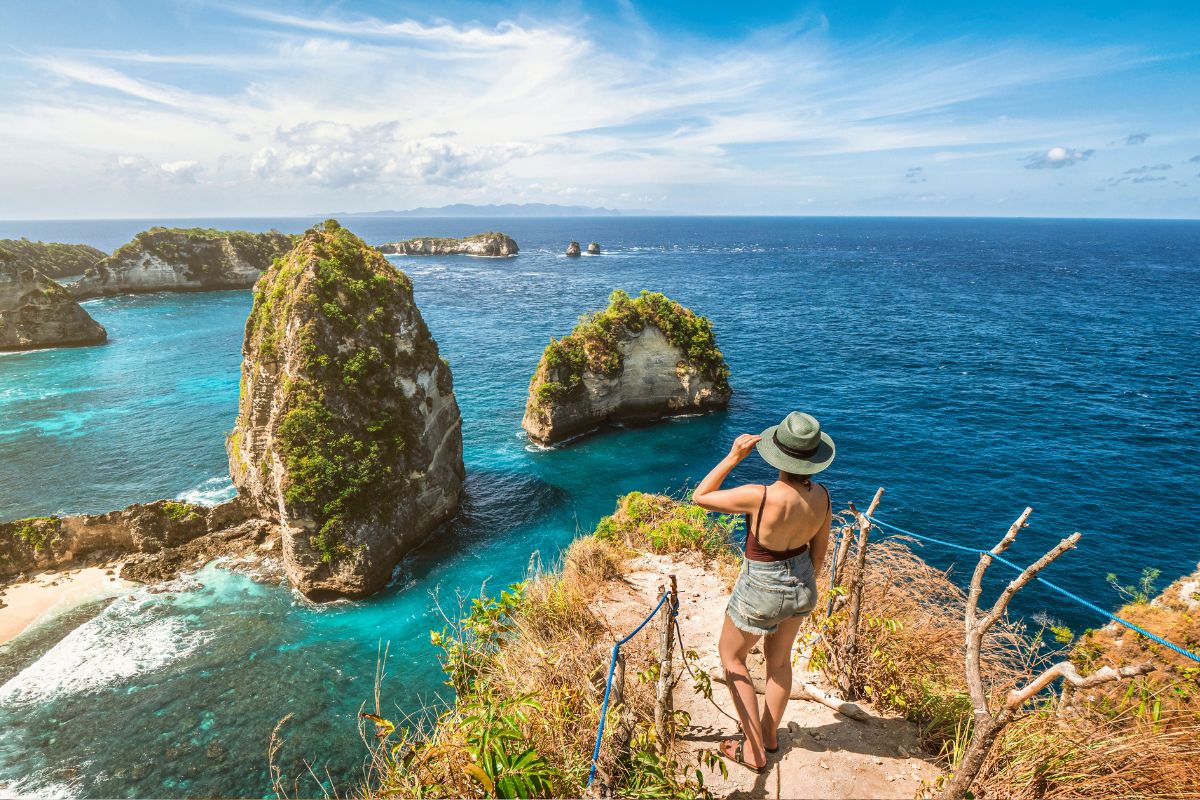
53,259
348,432
183,259
640,358
37,312
490,244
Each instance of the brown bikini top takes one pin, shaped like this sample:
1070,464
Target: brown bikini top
755,550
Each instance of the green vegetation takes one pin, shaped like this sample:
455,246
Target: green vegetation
180,512
52,259
202,250
1141,592
523,667
342,436
593,344
659,524
37,532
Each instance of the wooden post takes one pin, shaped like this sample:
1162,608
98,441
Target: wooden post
846,682
662,704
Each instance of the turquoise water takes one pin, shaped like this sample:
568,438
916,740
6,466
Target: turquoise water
970,366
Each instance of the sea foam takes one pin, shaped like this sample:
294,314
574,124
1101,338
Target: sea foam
130,638
211,492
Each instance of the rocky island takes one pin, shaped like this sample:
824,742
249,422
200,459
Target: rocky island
489,245
594,249
183,259
573,249
348,431
638,359
37,312
53,259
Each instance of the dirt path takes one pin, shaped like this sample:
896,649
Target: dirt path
822,754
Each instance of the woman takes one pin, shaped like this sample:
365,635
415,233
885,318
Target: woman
787,534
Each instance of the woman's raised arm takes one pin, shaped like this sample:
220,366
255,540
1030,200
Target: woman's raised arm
739,500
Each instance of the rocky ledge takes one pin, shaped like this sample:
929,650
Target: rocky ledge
638,359
37,312
348,431
183,259
53,259
155,540
491,244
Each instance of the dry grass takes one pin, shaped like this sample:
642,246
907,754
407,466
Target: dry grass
538,659
1133,739
1091,755
911,643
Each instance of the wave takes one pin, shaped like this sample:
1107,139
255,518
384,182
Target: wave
211,492
130,638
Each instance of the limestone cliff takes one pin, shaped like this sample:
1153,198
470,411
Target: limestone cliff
491,244
348,432
52,259
183,259
155,539
37,312
640,358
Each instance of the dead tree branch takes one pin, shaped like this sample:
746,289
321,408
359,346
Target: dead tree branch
988,723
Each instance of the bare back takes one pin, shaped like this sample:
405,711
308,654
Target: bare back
792,515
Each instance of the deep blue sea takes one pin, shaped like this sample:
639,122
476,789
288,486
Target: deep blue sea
971,367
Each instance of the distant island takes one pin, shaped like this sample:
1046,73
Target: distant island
502,210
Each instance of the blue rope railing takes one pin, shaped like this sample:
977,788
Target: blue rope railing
612,666
1065,593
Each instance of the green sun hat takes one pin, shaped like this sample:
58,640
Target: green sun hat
797,445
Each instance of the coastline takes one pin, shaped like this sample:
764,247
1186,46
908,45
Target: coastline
52,592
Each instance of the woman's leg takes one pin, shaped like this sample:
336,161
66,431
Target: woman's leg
734,645
777,650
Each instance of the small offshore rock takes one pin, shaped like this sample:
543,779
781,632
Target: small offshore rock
636,360
491,244
573,249
594,249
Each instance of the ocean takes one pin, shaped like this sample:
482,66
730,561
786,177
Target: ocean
970,366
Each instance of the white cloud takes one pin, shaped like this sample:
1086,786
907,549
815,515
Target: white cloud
1057,157
334,103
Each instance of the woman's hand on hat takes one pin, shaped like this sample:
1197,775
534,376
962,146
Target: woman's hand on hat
743,444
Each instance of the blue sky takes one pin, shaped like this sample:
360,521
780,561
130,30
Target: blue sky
197,108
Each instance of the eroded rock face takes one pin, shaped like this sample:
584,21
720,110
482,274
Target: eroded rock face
37,312
491,244
157,535
594,249
348,431
183,259
573,249
637,360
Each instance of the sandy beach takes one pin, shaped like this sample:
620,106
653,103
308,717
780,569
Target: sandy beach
49,592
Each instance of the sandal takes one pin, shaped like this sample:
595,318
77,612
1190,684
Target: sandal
738,756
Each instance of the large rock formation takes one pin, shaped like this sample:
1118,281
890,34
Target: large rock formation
156,540
52,259
348,432
184,259
641,358
37,312
573,249
490,244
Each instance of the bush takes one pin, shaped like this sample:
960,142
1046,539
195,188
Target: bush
593,344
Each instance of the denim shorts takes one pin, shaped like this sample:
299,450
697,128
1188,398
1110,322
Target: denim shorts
768,592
